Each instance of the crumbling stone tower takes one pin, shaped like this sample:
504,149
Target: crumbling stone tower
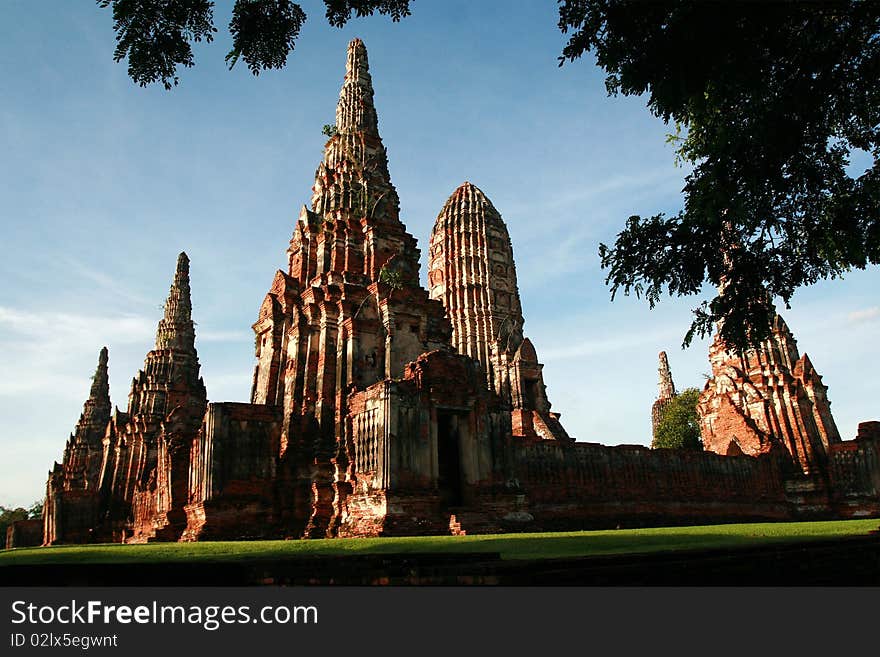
768,400
72,501
473,273
666,391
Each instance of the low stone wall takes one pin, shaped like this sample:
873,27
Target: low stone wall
592,485
854,473
24,533
74,514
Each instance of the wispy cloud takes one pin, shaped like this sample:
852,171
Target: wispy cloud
593,347
865,315
107,283
550,260
49,328
43,349
619,185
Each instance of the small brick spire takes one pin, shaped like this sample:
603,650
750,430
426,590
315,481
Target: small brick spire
665,393
96,410
176,329
666,386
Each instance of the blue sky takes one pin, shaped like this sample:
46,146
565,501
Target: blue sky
102,183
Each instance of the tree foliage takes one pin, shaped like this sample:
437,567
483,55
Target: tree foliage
156,36
769,100
36,509
679,425
263,33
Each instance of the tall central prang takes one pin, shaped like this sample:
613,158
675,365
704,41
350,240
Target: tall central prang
348,314
352,276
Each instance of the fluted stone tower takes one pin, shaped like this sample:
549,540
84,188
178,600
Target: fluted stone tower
769,400
71,505
473,273
147,448
665,393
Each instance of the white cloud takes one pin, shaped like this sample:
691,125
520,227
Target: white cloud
64,327
44,350
865,315
622,186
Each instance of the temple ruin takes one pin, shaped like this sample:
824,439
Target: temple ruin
124,475
381,408
768,399
771,401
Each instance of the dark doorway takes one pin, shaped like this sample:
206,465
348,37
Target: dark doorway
449,458
530,387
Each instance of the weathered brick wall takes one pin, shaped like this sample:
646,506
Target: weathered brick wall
869,430
143,511
367,431
394,473
24,533
588,484
854,473
233,470
80,515
236,453
393,484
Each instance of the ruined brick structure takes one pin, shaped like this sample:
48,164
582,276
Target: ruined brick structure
854,473
472,272
768,400
380,409
124,476
146,473
665,392
24,533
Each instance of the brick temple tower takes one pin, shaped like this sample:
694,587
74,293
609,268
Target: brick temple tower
665,392
147,448
473,273
71,506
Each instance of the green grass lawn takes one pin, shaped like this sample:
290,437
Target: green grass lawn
511,546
